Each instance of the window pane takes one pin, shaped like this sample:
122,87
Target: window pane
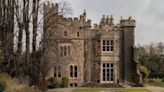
71,85
65,51
71,71
65,33
55,69
59,71
103,48
107,49
103,74
75,84
111,42
77,34
61,51
103,65
75,71
112,78
111,65
111,49
107,42
69,50
103,42
108,75
107,65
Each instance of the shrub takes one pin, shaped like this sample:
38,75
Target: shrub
65,82
163,79
144,71
54,82
4,78
2,86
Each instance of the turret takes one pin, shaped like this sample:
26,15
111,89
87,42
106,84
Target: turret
83,16
126,49
127,22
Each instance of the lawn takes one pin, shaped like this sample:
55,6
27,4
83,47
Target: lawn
111,90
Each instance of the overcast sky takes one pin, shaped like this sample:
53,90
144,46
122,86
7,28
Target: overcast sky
149,15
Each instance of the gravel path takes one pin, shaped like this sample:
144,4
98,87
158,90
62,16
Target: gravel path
61,90
155,88
149,87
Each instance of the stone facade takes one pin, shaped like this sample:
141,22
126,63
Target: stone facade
102,53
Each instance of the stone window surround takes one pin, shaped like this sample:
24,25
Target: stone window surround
74,72
57,71
107,45
101,74
65,50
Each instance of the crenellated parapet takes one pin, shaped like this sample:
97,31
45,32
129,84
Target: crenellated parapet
50,8
127,22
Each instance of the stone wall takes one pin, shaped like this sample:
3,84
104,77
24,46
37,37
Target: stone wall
86,49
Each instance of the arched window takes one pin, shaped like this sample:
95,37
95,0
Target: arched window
57,71
73,71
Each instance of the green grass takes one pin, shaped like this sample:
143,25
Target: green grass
111,90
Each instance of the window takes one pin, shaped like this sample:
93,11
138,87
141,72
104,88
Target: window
73,71
61,51
65,50
107,45
57,71
73,84
69,50
65,33
78,34
107,72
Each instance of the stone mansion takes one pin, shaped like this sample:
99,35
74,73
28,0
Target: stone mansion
103,53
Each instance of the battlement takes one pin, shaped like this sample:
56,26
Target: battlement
127,22
50,5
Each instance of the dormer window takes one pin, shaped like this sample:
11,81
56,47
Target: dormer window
65,33
78,34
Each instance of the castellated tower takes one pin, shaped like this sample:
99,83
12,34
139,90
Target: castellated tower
127,71
102,54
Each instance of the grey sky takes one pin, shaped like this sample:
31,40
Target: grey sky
149,15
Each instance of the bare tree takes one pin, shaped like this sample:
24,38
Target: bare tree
26,18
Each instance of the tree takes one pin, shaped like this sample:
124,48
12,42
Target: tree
25,15
151,56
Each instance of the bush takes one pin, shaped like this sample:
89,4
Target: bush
2,86
65,82
4,78
54,82
144,71
163,79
